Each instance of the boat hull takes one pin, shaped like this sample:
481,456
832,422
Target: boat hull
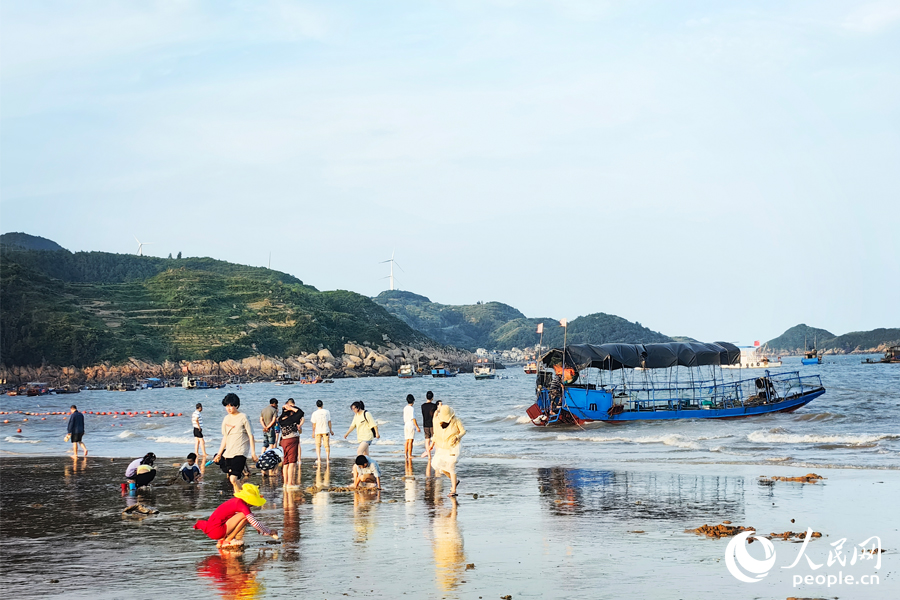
811,361
578,404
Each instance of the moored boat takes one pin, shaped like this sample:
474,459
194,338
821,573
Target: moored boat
754,357
583,382
891,357
443,372
484,370
406,372
531,368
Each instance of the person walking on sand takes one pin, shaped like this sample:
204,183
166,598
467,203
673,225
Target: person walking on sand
268,418
237,441
197,422
365,426
321,420
447,435
428,422
75,431
226,524
410,427
291,422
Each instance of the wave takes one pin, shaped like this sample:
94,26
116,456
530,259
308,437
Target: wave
523,419
13,440
126,434
164,439
674,439
809,438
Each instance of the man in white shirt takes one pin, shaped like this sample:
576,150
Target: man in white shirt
410,426
321,420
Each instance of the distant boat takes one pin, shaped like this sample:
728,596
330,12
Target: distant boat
812,356
531,368
37,388
196,383
406,372
443,372
891,357
69,388
484,370
601,383
754,357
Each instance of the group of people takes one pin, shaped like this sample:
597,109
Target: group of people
442,429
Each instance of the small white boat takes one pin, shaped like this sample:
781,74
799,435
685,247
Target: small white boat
484,370
754,357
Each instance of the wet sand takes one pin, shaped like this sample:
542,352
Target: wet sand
533,532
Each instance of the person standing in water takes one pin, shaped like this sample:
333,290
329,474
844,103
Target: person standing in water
321,420
75,431
366,428
447,436
428,422
197,422
410,427
291,422
267,418
237,441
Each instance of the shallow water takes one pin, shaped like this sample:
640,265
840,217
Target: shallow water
855,424
535,531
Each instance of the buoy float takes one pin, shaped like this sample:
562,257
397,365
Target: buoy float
6,420
24,419
179,414
18,431
43,418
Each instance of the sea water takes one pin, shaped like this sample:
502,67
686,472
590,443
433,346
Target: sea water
856,424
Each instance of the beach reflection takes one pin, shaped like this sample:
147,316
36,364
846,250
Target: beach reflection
321,500
290,533
650,495
410,490
363,517
449,554
233,577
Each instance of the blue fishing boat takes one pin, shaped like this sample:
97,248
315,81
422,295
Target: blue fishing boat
615,383
443,372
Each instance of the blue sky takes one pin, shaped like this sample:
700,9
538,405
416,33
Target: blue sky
718,170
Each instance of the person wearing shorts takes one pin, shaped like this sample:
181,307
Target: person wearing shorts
321,420
410,427
365,426
237,441
75,430
197,422
268,418
428,423
291,422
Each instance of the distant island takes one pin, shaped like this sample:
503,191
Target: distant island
101,316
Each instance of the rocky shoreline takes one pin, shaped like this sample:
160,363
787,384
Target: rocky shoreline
354,361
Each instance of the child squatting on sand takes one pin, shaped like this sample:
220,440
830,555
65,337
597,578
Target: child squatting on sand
226,524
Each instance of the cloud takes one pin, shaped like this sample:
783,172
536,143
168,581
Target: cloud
873,18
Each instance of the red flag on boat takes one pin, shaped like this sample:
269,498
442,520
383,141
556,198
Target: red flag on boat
540,328
756,343
564,322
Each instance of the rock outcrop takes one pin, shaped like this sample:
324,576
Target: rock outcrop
355,361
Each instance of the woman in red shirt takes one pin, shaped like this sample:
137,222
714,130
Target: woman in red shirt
226,524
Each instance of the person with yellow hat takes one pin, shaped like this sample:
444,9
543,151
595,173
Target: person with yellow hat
448,432
226,524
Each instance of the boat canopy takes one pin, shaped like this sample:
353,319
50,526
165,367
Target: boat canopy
646,356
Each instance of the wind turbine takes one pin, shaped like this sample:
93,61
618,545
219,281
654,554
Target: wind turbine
141,245
393,262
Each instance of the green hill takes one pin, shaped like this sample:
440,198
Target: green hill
792,340
86,307
498,326
23,241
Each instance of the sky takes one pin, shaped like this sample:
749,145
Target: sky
721,170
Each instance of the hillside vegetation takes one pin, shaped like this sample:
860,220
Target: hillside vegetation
498,326
792,341
86,307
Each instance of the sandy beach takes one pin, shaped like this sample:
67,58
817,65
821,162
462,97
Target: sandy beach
533,531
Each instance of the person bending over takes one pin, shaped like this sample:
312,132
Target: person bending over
226,524
366,473
140,471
